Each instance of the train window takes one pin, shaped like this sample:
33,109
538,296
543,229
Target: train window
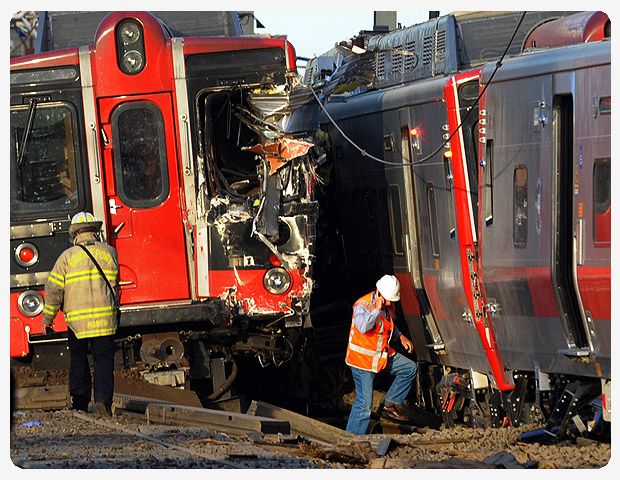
469,91
252,66
432,214
488,183
395,220
43,166
44,76
140,154
604,105
601,190
519,210
449,193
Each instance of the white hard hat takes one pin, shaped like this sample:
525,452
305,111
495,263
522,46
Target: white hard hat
84,221
389,288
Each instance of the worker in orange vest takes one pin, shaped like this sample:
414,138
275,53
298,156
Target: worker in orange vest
369,352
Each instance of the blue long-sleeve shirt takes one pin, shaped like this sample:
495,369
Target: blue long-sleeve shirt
365,320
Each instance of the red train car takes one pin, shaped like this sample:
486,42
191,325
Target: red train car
179,146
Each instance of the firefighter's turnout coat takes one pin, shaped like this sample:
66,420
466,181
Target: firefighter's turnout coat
371,350
76,286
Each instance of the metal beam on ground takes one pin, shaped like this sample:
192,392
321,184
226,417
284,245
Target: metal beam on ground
301,425
230,422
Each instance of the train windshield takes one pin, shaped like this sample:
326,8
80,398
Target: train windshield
43,159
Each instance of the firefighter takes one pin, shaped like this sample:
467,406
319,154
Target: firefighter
369,352
89,303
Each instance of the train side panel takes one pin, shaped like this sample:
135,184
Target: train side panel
536,198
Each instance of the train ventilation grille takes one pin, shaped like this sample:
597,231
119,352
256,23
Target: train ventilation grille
397,59
410,57
440,46
427,50
380,65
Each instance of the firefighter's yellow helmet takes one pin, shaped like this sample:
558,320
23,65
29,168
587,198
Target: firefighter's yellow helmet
84,221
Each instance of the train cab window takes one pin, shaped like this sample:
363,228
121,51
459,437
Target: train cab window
140,154
488,183
601,190
604,105
43,163
432,215
519,210
396,223
449,193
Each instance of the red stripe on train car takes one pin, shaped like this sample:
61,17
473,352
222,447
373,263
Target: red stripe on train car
408,298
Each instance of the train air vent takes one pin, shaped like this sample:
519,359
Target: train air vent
380,65
411,60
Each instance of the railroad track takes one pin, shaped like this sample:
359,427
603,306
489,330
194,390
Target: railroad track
131,431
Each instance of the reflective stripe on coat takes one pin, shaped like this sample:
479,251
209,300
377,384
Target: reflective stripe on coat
371,350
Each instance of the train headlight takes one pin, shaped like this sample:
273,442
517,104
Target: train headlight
30,303
26,254
277,281
133,61
130,46
129,33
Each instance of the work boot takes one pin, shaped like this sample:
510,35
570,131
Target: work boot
80,403
395,412
103,409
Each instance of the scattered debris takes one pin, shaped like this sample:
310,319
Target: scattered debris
192,452
359,453
34,423
508,460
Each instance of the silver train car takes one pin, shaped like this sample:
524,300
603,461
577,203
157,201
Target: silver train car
495,214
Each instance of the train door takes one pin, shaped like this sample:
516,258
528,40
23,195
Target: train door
583,167
438,236
142,189
461,166
592,205
563,251
412,240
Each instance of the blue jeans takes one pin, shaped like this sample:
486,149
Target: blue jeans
402,368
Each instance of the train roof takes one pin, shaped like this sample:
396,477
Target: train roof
550,60
61,30
441,46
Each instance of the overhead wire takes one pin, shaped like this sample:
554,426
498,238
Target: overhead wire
463,120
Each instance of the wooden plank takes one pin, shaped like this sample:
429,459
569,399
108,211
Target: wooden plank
302,425
231,422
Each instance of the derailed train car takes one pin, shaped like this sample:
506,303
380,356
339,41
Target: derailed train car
485,188
178,145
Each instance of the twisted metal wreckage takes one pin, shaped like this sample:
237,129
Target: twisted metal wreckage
256,187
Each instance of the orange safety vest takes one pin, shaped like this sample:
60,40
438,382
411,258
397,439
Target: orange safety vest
371,350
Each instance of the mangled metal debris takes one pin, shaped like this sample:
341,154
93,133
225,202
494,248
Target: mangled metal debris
257,189
278,152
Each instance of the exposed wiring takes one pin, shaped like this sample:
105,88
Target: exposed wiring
361,150
438,149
